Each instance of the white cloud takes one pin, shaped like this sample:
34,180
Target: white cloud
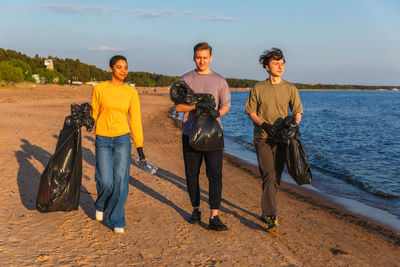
157,14
74,9
213,17
105,48
14,10
101,10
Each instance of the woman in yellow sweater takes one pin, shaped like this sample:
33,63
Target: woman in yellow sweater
112,102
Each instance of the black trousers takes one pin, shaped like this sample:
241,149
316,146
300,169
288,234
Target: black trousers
193,160
271,161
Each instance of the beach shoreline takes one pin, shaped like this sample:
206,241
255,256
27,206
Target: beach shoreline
311,232
327,202
367,213
323,201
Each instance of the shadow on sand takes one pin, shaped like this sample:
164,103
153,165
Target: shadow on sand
28,181
180,183
28,176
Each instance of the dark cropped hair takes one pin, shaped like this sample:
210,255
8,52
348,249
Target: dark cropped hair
202,46
114,60
268,55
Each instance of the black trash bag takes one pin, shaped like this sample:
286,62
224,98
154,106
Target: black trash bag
205,134
297,162
208,100
181,93
288,133
60,183
285,130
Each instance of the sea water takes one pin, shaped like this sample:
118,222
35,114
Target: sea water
352,140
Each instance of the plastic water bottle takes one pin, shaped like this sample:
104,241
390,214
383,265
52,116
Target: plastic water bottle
146,165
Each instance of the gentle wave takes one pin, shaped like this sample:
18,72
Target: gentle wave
321,164
245,144
353,181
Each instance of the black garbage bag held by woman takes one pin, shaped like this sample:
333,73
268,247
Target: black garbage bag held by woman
60,183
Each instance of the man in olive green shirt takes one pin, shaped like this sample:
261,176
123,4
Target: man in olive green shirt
267,101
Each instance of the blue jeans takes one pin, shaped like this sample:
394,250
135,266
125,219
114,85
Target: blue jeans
113,158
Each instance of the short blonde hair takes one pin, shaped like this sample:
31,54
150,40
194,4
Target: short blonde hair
202,46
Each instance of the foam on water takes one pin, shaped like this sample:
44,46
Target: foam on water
351,140
352,143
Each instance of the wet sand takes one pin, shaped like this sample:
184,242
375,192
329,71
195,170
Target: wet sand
311,232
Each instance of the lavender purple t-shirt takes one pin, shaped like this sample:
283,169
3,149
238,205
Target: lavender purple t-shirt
211,83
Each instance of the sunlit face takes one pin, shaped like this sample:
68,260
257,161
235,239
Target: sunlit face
202,58
276,68
120,70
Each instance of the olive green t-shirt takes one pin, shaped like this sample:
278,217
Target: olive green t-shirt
272,101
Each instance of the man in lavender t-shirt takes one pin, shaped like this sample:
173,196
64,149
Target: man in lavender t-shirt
204,80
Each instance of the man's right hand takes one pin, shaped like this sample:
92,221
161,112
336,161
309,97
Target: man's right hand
214,113
270,129
204,105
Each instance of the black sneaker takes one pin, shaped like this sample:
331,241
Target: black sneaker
271,221
216,224
196,217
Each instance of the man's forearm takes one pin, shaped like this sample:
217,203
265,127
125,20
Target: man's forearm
298,118
184,107
255,118
223,111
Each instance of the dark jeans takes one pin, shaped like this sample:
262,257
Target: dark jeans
113,161
271,161
193,160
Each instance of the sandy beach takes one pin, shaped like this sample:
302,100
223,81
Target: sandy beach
312,232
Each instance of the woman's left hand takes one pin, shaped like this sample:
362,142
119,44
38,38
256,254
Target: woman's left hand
140,153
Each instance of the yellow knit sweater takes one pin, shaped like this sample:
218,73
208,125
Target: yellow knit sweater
111,105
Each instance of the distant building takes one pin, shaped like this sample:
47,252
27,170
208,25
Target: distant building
76,83
37,78
49,64
92,83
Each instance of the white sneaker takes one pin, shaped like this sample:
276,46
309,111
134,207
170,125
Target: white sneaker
99,215
119,230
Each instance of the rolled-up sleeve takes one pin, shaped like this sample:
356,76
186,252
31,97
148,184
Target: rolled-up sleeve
225,97
295,102
251,104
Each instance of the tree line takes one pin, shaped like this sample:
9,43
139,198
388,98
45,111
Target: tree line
12,63
18,67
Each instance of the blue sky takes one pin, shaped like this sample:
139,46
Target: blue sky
341,42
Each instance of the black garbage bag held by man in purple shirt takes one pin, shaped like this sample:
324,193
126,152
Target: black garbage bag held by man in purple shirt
205,133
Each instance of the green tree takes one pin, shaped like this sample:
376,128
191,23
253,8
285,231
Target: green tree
26,69
50,76
10,74
60,77
3,56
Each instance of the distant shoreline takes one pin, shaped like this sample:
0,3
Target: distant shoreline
318,90
165,89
